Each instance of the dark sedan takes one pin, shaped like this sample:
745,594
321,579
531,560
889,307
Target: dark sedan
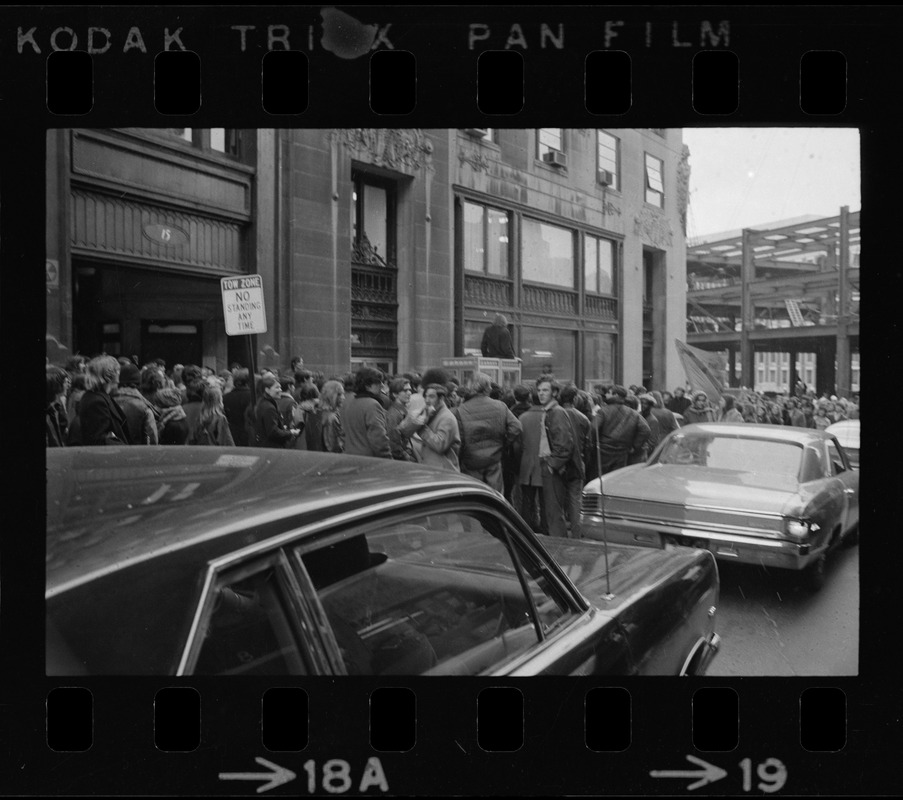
239,561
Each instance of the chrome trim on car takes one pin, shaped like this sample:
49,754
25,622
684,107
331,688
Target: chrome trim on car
709,646
738,535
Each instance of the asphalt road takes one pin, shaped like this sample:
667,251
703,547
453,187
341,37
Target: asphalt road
772,626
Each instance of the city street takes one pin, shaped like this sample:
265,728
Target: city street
771,626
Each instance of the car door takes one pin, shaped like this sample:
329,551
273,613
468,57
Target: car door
848,480
441,590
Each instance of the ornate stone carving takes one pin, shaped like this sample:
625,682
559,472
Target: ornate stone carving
478,162
406,149
603,307
683,185
363,252
481,291
653,227
538,298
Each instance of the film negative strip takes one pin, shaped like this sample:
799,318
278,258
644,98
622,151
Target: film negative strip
369,186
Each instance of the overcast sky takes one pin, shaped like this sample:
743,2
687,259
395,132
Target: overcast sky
744,177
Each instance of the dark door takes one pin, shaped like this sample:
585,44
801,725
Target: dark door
175,341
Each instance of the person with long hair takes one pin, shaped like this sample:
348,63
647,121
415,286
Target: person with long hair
101,421
324,427
57,423
213,427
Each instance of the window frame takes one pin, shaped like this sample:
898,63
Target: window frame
575,282
615,250
616,173
290,595
649,188
574,605
485,223
360,179
539,144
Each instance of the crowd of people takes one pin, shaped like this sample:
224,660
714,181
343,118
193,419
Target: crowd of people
537,444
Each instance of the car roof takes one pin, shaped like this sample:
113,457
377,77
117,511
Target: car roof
112,507
753,430
846,431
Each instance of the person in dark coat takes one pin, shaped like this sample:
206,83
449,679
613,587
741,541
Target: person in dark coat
270,429
400,392
101,421
619,432
139,413
497,339
235,404
575,478
679,402
556,454
57,422
647,412
323,428
172,427
213,428
667,422
364,418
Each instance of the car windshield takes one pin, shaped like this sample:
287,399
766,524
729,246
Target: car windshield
736,453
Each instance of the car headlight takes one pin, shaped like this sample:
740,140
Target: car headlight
800,528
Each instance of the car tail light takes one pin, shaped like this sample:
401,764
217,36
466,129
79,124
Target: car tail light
800,528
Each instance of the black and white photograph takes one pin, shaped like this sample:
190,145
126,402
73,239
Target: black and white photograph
453,402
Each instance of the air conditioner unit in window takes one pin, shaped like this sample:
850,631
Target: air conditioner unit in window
555,158
479,133
606,178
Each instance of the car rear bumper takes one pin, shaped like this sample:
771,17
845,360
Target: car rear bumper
742,548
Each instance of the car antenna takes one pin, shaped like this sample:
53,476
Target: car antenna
608,595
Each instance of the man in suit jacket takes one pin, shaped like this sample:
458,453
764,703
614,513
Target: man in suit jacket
532,507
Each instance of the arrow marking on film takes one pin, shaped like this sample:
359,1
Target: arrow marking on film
708,774
276,777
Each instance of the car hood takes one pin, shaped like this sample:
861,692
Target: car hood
703,486
634,571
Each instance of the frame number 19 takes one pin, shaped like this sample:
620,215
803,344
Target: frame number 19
772,775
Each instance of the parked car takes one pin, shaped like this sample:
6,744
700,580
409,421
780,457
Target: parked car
847,433
244,561
755,494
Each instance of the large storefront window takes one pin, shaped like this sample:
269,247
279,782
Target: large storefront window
547,350
598,257
599,357
547,253
485,240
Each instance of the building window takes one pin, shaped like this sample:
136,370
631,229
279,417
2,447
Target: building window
549,139
486,240
547,253
225,140
598,266
608,148
655,188
545,350
183,133
372,222
598,358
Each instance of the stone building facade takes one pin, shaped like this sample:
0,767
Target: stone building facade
392,247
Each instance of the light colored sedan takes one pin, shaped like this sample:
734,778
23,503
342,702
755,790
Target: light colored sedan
757,494
847,433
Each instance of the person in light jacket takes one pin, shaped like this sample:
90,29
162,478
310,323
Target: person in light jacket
729,412
437,428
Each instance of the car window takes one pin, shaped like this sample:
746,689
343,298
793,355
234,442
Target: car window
835,459
437,594
734,453
248,631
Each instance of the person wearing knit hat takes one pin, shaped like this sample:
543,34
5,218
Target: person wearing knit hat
699,411
140,415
